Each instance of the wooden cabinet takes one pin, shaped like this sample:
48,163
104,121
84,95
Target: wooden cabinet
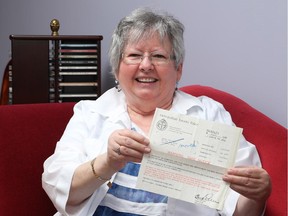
49,69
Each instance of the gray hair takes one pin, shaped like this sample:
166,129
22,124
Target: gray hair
142,24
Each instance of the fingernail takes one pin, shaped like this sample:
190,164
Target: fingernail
147,150
229,170
225,177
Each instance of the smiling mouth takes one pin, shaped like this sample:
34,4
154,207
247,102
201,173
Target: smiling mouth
146,80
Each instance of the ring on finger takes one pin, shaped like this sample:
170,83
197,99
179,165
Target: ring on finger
118,151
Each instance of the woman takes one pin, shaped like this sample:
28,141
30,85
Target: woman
106,139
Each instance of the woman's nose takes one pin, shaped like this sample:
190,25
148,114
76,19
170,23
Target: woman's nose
146,63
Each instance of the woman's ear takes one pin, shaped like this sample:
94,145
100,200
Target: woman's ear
179,72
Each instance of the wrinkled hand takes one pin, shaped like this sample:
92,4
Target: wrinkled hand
126,145
251,182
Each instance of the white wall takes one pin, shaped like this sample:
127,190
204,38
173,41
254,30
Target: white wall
236,46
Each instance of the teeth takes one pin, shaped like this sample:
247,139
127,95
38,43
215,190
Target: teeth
147,80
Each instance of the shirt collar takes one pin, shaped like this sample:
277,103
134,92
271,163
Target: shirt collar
184,102
112,104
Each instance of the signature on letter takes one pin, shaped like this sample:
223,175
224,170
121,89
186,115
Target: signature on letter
206,198
176,143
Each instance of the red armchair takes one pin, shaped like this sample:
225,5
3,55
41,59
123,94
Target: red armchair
28,134
269,137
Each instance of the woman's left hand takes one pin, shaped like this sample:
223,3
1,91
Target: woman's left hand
251,182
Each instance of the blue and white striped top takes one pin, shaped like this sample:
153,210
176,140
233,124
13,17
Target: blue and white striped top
123,199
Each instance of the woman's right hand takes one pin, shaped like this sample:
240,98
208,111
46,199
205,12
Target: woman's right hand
123,145
126,145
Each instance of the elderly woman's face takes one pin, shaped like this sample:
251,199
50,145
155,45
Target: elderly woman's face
146,72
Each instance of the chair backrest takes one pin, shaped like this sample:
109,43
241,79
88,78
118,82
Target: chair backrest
4,97
269,137
28,134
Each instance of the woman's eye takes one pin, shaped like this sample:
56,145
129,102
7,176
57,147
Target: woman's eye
159,56
134,55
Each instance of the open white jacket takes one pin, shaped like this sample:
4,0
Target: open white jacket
86,136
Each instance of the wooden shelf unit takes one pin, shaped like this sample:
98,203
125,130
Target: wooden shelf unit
47,69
